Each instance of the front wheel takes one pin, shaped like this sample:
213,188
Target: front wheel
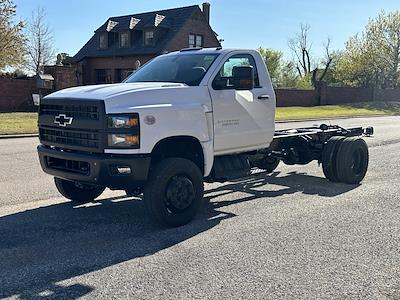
78,192
174,191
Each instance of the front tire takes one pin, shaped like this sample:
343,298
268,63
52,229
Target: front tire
174,192
78,192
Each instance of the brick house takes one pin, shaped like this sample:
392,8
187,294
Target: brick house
121,43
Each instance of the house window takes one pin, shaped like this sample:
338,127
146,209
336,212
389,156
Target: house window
149,38
103,42
124,39
199,41
192,40
195,40
121,74
102,76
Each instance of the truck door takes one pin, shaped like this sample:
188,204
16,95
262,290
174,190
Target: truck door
243,119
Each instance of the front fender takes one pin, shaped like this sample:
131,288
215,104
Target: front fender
171,120
186,119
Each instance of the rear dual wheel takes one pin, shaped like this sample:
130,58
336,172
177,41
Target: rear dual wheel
352,162
329,155
345,159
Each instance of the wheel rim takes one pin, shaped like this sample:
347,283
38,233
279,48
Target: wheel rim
357,162
179,194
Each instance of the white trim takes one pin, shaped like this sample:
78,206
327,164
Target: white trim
122,151
150,106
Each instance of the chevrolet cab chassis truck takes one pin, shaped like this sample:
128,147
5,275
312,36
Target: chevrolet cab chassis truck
184,118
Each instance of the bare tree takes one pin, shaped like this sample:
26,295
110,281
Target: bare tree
301,48
40,45
327,61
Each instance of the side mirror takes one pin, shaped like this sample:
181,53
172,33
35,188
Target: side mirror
243,77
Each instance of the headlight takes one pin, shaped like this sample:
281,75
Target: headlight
123,140
128,121
123,131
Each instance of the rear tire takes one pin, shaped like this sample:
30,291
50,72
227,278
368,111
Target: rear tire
78,192
329,157
352,160
174,192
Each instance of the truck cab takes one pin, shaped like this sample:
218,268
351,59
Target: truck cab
185,117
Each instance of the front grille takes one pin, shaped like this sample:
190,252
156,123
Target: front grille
73,138
84,112
72,166
84,132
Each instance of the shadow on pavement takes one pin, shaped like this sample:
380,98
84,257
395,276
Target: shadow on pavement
292,182
43,246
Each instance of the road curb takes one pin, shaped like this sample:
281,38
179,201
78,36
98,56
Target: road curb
18,136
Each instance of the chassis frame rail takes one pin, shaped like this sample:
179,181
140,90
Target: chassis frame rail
324,129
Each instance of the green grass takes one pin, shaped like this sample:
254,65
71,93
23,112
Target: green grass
334,111
18,123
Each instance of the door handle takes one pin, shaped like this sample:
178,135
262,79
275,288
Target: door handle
263,97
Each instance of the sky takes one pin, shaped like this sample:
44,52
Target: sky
242,24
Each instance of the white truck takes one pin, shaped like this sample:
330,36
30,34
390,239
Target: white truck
184,118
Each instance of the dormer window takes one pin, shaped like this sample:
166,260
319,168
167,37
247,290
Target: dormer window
103,41
124,39
195,40
149,38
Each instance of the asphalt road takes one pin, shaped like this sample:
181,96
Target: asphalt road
289,235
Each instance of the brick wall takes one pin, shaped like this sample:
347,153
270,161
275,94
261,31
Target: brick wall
64,76
16,94
292,97
333,96
386,95
340,95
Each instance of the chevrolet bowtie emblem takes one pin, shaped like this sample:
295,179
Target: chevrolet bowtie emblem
63,120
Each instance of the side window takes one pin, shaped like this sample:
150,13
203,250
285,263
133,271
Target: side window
103,41
124,39
149,38
224,78
195,40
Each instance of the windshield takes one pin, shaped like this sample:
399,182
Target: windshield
183,68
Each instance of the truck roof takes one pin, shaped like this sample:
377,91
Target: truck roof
206,51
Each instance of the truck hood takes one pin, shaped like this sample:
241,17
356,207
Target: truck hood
132,97
105,91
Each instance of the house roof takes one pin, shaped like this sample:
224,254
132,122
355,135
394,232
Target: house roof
170,19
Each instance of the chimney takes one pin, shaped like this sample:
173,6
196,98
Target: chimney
206,11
